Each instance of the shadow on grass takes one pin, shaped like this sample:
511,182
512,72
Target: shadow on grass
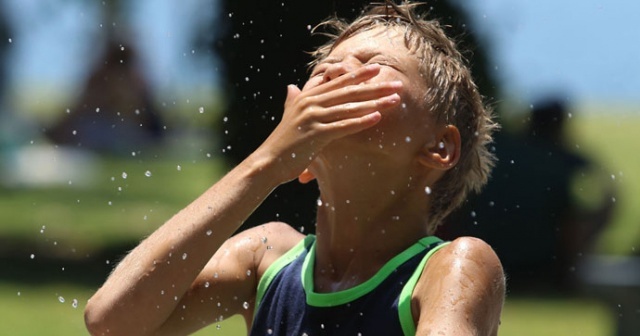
26,263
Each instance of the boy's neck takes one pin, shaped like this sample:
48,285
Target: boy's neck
367,214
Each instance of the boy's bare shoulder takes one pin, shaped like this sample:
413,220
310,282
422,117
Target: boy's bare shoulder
267,242
464,277
469,252
466,263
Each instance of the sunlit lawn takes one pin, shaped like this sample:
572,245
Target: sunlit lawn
75,222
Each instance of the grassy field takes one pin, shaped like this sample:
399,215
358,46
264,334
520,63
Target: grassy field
47,236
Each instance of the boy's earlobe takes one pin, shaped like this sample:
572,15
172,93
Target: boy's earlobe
443,152
306,176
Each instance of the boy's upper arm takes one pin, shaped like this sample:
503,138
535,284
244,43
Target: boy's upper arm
227,284
461,291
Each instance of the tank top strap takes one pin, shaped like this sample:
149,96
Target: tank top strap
404,301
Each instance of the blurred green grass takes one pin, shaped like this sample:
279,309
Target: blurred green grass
73,223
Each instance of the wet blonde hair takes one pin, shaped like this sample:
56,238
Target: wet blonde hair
452,96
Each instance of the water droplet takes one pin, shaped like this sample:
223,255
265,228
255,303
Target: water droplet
179,168
427,190
10,40
613,177
319,202
263,240
246,79
147,173
74,303
308,28
32,256
207,284
61,299
184,256
473,214
209,232
124,175
201,109
248,272
293,155
269,331
245,305
42,229
407,139
441,145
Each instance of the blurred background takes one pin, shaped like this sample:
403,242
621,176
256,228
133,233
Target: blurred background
115,114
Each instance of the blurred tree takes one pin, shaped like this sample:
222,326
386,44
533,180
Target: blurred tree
115,112
263,48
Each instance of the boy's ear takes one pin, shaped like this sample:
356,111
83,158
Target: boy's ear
443,152
306,176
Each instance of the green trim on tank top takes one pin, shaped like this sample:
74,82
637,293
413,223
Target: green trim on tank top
278,265
404,302
348,295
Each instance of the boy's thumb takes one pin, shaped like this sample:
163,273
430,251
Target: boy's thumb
292,92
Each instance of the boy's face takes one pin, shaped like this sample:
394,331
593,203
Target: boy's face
406,125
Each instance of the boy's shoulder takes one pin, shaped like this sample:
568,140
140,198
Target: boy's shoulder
472,274
267,242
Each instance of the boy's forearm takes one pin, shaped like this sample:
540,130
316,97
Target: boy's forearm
145,287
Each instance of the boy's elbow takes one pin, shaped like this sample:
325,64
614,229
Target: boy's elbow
105,317
99,319
96,318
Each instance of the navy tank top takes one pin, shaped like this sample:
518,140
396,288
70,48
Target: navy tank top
286,304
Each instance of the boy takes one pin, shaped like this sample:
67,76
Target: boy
393,129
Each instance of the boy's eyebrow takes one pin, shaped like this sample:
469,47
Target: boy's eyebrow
330,59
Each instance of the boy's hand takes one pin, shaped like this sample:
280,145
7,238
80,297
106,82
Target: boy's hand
322,113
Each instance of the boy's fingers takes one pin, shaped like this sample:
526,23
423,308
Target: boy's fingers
351,78
357,109
359,93
345,127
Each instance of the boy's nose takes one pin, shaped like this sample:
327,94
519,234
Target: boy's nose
338,69
334,71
